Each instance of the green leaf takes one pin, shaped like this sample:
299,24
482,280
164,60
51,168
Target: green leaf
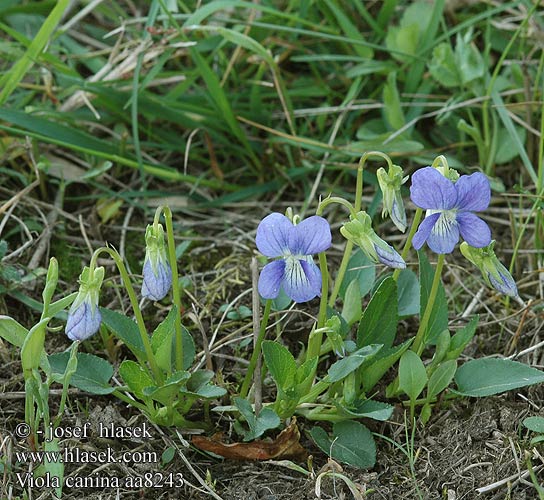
361,268
343,367
280,363
93,374
517,140
15,334
352,308
281,302
468,59
55,468
3,248
32,348
379,322
412,375
305,376
408,293
384,360
163,343
135,377
12,331
258,425
199,385
441,378
443,342
125,329
535,424
487,376
443,67
349,29
61,304
460,340
507,144
12,77
367,408
438,322
392,104
171,388
352,443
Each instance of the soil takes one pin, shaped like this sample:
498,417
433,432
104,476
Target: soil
470,448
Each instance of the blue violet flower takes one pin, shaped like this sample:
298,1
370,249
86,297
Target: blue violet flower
449,208
84,317
295,271
157,272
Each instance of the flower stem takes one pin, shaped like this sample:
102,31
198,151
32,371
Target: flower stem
316,335
134,302
408,243
176,297
256,351
357,208
335,199
418,344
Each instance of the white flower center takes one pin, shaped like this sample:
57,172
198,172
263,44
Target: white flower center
447,219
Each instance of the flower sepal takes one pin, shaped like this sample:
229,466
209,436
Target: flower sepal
390,183
359,231
493,272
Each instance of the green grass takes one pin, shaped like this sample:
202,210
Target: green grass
230,104
282,58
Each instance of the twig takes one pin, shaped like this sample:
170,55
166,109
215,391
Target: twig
193,471
16,197
51,220
206,347
122,242
514,477
256,305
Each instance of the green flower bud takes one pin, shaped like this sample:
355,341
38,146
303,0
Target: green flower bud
493,272
393,204
359,231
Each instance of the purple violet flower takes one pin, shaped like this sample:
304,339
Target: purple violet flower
449,210
84,317
295,271
157,272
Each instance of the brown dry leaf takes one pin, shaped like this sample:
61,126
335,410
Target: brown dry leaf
286,445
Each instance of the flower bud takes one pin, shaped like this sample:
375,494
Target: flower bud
333,327
494,273
157,272
393,205
359,231
84,316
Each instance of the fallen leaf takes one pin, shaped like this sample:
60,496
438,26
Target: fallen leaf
286,445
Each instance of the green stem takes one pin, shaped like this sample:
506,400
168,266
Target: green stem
335,199
315,391
130,401
418,344
357,207
134,302
176,297
316,335
408,243
256,351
